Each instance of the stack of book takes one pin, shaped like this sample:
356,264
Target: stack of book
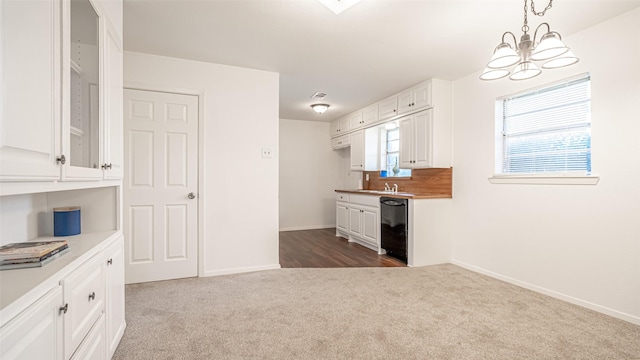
31,254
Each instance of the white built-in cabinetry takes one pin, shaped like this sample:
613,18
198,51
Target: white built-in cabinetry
425,136
357,151
62,145
48,125
358,219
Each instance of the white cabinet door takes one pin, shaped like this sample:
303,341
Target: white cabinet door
334,128
406,142
355,121
405,102
340,142
342,217
370,225
114,307
29,95
113,163
357,151
37,332
423,135
355,225
388,108
421,95
416,140
370,115
93,346
84,295
344,125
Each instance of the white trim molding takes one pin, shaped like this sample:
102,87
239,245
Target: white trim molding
545,179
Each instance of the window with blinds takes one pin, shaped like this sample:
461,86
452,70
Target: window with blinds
547,130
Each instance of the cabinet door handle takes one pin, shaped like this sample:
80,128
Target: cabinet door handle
62,159
110,262
191,196
92,296
63,309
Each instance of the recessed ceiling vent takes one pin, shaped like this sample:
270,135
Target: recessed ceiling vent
318,95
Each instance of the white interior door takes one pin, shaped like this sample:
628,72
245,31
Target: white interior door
160,185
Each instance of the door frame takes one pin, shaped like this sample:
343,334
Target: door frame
201,127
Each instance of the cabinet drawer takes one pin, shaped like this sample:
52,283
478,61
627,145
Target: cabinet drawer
92,348
84,296
342,197
369,200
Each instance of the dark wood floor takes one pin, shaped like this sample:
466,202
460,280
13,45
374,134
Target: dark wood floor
322,249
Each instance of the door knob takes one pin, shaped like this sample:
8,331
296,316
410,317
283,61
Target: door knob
191,196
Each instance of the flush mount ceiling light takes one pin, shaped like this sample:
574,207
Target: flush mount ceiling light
338,6
550,49
320,108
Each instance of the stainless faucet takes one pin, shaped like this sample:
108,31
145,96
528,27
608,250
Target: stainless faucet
386,187
395,188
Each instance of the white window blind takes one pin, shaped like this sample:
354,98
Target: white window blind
548,130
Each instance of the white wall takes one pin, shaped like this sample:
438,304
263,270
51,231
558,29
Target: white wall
239,192
309,173
577,242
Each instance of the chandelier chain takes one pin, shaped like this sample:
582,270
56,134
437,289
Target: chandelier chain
525,26
541,13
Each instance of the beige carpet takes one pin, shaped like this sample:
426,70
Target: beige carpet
435,312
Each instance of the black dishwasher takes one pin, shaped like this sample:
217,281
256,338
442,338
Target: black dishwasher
393,224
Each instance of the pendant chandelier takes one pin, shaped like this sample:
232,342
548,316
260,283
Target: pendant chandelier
549,49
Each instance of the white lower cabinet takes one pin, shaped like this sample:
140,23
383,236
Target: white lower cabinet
84,294
81,318
358,219
92,348
37,332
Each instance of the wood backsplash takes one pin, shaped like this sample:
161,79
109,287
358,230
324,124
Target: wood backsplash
422,181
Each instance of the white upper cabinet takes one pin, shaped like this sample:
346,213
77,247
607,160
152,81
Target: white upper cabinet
424,141
355,121
61,70
415,98
388,108
92,93
370,115
29,95
339,126
357,151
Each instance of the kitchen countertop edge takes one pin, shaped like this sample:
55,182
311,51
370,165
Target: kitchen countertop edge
401,195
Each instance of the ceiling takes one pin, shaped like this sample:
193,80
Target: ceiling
368,52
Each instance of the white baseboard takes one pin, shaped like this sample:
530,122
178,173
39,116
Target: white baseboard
240,270
595,307
313,227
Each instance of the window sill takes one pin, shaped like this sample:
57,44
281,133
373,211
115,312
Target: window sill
545,179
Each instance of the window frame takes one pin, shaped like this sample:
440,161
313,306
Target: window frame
547,178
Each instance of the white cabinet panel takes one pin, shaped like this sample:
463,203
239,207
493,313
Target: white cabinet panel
340,142
30,96
370,225
93,347
342,217
355,121
115,319
84,294
388,108
37,332
113,141
357,151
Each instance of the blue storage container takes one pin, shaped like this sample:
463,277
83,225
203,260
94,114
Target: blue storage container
66,221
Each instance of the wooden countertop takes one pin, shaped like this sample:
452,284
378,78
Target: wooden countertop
399,195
